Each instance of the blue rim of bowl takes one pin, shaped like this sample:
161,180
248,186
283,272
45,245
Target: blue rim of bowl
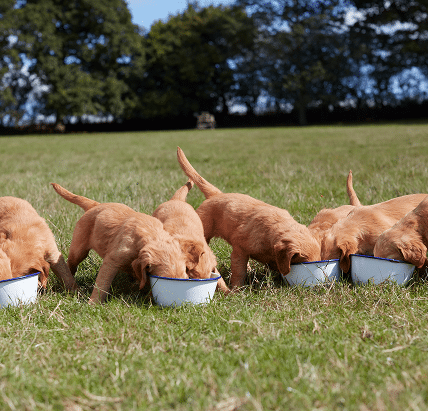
185,279
19,278
317,262
379,258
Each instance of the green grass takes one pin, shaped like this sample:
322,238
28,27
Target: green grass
269,348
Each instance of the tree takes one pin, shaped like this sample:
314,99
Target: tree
14,83
80,50
189,60
395,33
308,53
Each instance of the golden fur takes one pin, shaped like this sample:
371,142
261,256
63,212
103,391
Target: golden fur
127,241
183,223
325,219
358,232
253,228
407,239
27,244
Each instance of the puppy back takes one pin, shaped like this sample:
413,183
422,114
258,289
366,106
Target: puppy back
207,188
81,201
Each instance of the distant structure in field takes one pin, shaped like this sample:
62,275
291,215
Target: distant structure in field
205,120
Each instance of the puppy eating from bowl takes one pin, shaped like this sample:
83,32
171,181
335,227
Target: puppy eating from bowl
183,223
358,232
27,245
127,240
254,229
407,240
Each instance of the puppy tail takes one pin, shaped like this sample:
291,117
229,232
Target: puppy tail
81,201
353,199
207,188
182,192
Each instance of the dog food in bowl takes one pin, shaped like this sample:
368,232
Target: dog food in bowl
368,269
313,273
19,290
169,292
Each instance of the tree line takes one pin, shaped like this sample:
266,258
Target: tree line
84,60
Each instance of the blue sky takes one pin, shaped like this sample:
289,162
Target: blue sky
146,12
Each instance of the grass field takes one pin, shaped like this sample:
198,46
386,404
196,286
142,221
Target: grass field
269,348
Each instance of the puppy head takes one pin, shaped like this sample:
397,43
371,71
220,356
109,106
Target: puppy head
414,253
200,260
329,249
339,245
28,266
160,258
17,259
294,250
386,246
346,245
407,248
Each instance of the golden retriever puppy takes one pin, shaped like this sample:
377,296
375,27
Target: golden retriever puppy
358,232
324,220
27,245
253,228
128,241
407,239
183,223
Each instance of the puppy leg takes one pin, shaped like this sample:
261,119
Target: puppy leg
221,285
74,259
61,270
103,282
422,272
79,250
238,265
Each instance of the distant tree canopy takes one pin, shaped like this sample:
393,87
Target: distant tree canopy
395,34
326,52
307,51
188,60
74,59
79,50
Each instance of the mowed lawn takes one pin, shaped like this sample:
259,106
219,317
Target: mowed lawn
270,347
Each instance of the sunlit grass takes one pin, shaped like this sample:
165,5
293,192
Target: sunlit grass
269,348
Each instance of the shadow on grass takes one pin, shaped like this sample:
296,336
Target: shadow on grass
261,281
124,287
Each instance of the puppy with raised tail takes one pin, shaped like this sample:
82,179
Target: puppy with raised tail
183,223
358,232
253,228
325,218
28,246
128,241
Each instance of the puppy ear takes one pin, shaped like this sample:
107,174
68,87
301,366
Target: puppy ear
283,255
44,274
5,269
193,252
347,247
139,266
414,253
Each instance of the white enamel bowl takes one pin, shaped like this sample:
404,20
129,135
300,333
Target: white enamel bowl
19,290
169,292
368,269
313,273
